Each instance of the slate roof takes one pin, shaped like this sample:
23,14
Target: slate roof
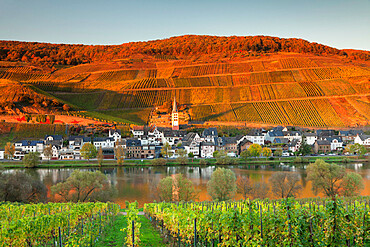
133,143
281,140
30,143
364,137
84,138
323,142
102,139
210,132
55,137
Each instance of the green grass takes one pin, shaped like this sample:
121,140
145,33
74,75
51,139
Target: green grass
115,237
87,101
140,116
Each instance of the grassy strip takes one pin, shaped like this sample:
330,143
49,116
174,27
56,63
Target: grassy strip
170,162
115,237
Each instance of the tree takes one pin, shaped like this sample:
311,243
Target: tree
48,152
215,154
285,184
165,151
190,155
31,160
352,184
176,188
165,189
100,156
304,149
260,190
88,151
266,152
9,150
244,186
278,152
120,155
357,149
222,185
255,150
83,186
245,154
29,190
66,107
332,180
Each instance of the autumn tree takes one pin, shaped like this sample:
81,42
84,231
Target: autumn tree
31,159
182,159
82,186
88,151
48,152
222,185
357,149
255,150
9,150
304,149
100,156
266,152
332,179
244,186
278,152
21,187
260,190
52,118
165,151
176,188
120,154
285,184
66,107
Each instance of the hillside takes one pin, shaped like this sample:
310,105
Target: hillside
259,80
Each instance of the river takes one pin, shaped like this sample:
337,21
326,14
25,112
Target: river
140,183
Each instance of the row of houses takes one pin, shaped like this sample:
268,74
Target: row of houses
147,142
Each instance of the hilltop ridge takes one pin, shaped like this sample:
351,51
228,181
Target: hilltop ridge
259,80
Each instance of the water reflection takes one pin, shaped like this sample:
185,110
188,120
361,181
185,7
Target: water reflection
140,183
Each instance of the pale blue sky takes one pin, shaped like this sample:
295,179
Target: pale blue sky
337,23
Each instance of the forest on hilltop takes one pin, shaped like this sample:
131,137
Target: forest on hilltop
48,55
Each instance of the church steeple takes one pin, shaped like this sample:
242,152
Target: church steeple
175,116
174,107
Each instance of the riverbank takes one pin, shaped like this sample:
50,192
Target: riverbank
191,162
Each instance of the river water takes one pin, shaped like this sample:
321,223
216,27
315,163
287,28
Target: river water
140,183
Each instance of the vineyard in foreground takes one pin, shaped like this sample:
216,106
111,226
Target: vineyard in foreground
54,224
289,222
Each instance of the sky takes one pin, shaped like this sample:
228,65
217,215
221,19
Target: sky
343,24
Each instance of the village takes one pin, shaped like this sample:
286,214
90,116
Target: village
146,142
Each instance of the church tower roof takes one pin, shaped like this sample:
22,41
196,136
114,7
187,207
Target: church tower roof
174,107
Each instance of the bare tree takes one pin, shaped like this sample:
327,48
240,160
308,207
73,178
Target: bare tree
260,190
285,184
244,186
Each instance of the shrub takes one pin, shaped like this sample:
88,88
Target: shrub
159,162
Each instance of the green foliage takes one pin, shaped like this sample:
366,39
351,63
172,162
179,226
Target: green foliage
120,154
31,160
100,156
278,152
255,150
88,151
332,179
245,154
190,155
300,159
133,223
21,187
83,186
222,185
158,162
304,149
37,224
357,149
285,222
203,162
165,150
176,188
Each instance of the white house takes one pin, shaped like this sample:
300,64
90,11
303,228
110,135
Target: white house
2,154
76,143
115,134
310,138
103,142
336,142
137,131
256,137
24,147
207,149
191,143
363,140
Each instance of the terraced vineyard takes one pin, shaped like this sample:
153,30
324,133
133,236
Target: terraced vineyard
289,89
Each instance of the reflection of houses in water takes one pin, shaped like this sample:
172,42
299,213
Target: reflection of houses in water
357,166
